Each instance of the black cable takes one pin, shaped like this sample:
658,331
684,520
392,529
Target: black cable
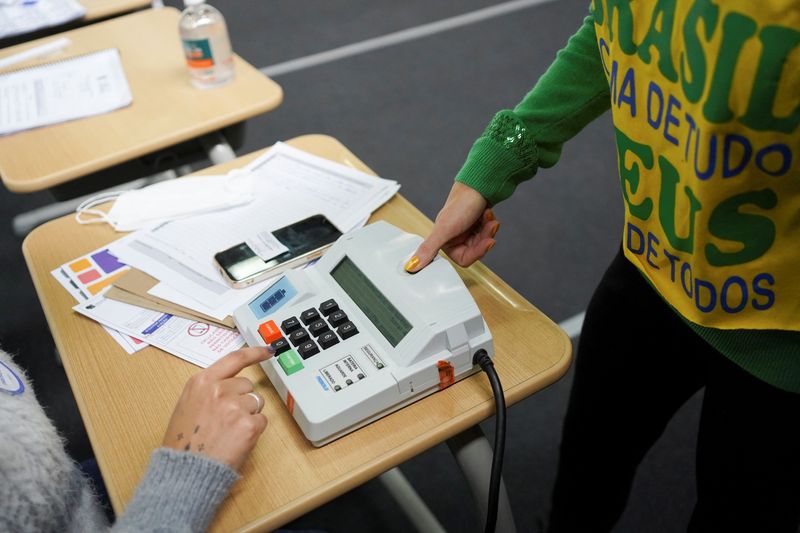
485,362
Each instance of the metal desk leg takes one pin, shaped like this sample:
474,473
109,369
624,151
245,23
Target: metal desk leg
217,148
404,494
474,455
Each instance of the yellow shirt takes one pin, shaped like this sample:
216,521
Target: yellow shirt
705,98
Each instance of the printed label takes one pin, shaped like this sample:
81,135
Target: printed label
198,53
372,355
266,245
342,373
10,383
322,383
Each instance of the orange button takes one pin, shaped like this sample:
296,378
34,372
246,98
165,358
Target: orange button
269,332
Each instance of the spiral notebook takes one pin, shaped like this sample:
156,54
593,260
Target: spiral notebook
77,87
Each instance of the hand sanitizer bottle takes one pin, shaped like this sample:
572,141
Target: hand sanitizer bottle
206,44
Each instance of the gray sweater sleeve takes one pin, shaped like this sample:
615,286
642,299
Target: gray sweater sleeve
180,492
42,489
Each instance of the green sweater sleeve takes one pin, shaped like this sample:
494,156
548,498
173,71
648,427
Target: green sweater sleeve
572,93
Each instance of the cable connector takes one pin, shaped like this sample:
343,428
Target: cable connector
482,359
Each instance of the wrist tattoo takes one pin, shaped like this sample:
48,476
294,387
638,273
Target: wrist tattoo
180,436
188,447
196,429
201,447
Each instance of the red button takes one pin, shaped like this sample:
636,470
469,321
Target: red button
269,332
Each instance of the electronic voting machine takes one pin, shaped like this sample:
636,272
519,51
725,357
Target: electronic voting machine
358,337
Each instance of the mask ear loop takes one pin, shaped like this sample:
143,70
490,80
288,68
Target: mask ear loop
85,208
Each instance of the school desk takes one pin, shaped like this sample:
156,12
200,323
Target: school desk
126,401
166,108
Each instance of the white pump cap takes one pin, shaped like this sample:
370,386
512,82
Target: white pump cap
188,3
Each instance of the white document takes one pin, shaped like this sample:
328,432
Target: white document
289,185
78,87
24,16
196,342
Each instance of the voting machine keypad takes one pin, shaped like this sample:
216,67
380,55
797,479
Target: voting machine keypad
307,335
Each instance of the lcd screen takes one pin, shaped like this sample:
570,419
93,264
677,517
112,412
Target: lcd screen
371,301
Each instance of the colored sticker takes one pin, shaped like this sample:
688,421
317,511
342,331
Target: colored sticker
322,383
89,276
446,374
107,262
80,264
102,284
198,53
10,382
290,403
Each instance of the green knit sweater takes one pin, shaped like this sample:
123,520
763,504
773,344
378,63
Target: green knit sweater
572,93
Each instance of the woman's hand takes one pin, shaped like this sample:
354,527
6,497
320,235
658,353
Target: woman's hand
464,229
218,414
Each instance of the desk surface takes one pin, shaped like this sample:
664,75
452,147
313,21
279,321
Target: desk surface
99,9
126,401
166,109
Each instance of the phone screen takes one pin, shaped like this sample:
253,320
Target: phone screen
241,262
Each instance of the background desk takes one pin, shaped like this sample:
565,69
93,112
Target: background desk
166,109
100,9
126,401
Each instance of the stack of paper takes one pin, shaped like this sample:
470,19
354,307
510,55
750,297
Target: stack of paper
24,16
290,185
171,294
77,87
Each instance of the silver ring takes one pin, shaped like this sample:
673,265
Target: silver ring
259,402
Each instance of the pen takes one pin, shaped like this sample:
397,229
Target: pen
37,51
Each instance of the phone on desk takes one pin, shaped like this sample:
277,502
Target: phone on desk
305,241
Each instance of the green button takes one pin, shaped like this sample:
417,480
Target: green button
290,362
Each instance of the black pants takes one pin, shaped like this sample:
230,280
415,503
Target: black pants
637,363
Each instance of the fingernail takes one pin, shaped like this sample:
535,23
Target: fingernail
271,349
412,264
494,231
491,245
490,216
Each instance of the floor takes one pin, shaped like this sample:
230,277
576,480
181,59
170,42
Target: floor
411,111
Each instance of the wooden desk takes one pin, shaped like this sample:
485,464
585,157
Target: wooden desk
100,9
166,109
126,401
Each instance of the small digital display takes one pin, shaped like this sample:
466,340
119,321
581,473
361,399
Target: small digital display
371,301
273,298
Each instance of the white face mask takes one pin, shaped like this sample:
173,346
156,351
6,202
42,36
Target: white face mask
168,200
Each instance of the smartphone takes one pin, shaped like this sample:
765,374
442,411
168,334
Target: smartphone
306,240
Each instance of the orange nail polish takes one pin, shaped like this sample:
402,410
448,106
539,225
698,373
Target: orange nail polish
490,216
496,228
491,245
412,264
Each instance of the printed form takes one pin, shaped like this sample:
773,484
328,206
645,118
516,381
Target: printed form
289,185
196,342
77,87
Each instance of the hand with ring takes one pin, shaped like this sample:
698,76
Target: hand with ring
219,413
